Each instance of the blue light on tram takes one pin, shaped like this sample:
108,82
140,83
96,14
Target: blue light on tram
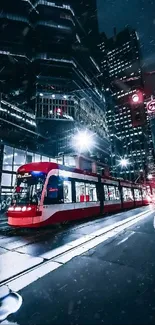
36,173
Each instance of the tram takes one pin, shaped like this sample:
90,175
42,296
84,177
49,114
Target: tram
46,193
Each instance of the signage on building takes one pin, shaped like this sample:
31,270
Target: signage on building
151,106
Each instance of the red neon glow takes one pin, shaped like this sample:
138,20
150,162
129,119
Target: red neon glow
137,98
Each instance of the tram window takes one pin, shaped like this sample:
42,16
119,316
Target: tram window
106,195
67,191
91,193
144,193
117,193
130,194
137,194
148,190
54,193
112,195
127,194
80,191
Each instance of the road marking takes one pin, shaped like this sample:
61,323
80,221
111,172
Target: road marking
126,238
67,247
63,257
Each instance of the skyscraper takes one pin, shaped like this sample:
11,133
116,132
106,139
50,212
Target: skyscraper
122,61
48,50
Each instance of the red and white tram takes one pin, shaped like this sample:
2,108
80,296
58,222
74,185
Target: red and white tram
46,193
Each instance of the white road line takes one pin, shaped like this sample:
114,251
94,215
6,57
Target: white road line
64,256
57,251
126,238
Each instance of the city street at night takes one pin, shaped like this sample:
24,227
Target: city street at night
77,162
94,272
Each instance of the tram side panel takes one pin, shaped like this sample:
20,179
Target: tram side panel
79,199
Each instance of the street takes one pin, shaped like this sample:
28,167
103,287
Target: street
110,281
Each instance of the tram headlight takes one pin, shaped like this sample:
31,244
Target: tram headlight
10,208
24,209
18,208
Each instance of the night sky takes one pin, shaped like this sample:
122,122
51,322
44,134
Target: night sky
139,14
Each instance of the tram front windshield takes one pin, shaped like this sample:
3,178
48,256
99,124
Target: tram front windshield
28,188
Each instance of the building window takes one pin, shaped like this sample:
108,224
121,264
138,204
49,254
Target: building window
8,158
45,159
19,159
37,158
6,180
29,157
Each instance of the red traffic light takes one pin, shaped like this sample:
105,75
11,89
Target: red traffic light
137,98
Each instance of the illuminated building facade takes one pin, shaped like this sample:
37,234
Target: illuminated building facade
122,63
49,77
51,68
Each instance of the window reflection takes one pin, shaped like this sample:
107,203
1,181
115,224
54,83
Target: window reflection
29,157
8,158
14,158
6,179
45,158
37,158
19,158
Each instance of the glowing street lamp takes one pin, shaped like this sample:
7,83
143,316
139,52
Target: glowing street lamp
124,162
83,141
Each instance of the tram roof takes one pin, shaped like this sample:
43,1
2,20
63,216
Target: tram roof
45,167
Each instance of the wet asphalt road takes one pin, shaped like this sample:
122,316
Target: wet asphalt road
21,249
113,283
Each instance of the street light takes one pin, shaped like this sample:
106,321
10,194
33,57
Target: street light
83,141
124,162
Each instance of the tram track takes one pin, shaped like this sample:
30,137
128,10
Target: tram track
57,257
